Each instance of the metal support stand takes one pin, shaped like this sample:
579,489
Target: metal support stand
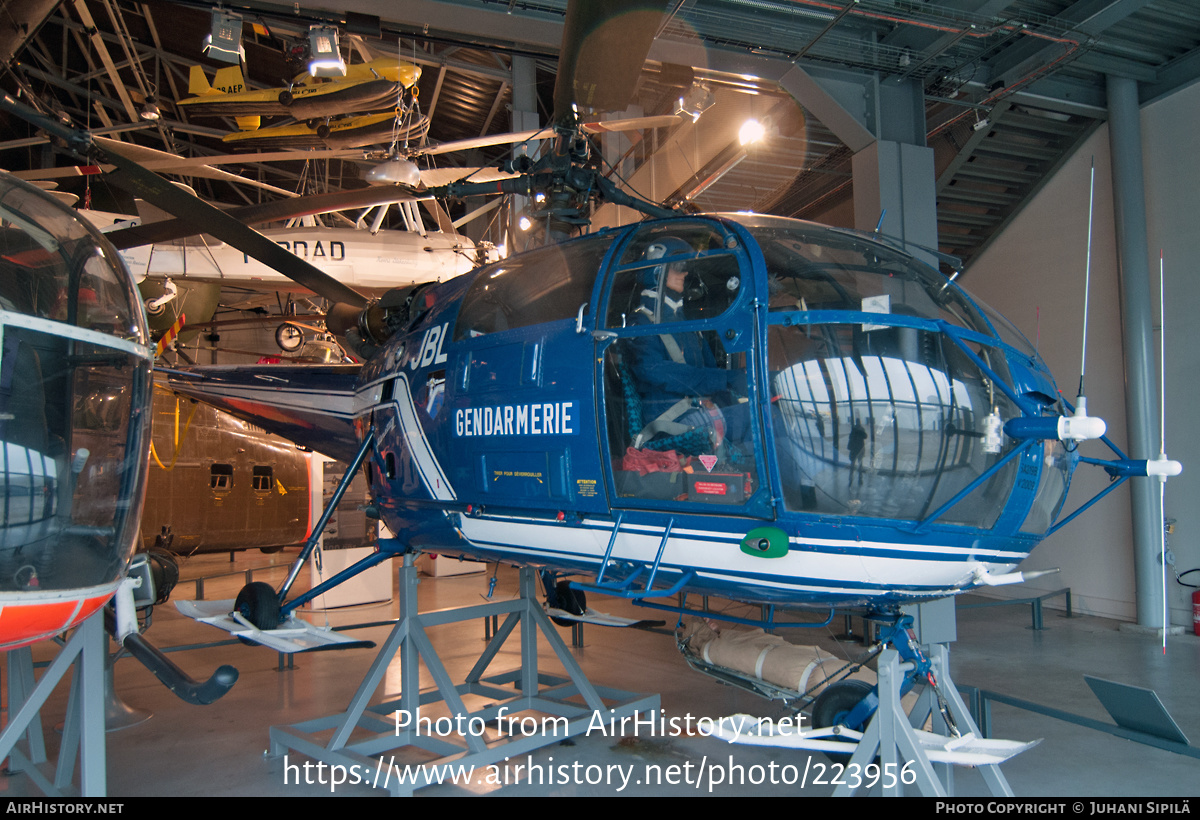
365,736
117,713
891,734
83,731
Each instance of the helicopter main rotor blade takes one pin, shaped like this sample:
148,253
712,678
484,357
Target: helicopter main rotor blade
604,45
169,229
163,162
631,124
482,142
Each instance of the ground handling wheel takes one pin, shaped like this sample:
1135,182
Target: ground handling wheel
834,705
258,604
562,596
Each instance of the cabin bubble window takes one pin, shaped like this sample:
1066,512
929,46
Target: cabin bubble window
1057,463
815,268
886,422
545,285
73,391
57,267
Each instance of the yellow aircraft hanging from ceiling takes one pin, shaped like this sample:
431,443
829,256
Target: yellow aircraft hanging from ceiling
344,132
366,87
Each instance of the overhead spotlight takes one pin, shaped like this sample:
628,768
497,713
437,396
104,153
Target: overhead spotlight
324,56
224,43
524,223
695,102
150,111
751,131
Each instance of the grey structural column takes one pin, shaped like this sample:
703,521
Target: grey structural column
1129,206
524,118
896,172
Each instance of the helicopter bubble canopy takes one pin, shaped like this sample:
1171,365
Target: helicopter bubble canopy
898,417
886,385
74,395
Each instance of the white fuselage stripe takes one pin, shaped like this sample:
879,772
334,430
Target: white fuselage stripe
414,438
722,560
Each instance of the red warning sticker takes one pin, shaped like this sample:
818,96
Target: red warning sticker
710,487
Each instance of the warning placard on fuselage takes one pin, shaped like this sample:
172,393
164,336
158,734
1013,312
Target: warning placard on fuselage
523,476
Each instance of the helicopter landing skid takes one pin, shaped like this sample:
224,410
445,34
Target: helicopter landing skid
293,635
596,618
477,738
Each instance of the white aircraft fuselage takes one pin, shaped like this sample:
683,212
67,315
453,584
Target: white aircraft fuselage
358,258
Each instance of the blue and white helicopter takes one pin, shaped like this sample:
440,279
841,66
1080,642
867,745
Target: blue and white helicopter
814,417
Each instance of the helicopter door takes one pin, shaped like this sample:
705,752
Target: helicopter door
676,355
518,401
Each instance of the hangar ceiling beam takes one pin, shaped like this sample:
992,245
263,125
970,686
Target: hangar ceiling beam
1088,17
431,19
834,97
98,44
1175,75
28,16
148,16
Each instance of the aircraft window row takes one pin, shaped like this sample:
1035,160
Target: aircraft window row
262,478
220,477
886,423
545,285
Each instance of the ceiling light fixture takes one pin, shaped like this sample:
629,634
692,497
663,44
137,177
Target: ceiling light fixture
751,131
695,102
324,56
224,43
150,111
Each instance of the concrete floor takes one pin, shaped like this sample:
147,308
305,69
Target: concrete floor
221,749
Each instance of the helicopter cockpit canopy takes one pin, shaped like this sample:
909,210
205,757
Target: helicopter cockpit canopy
886,386
74,398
